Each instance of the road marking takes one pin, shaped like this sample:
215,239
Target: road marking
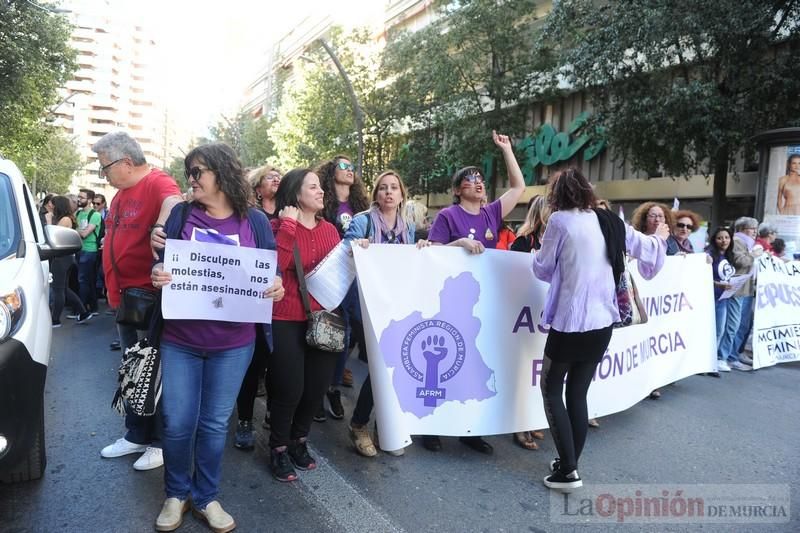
350,511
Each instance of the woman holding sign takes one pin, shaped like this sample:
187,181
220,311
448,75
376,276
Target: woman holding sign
383,223
581,306
298,374
203,361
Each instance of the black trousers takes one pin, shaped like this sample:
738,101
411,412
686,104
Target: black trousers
573,356
249,389
298,378
60,269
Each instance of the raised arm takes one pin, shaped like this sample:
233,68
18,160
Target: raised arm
516,182
650,250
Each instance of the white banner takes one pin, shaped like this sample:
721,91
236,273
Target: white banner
217,282
776,325
455,345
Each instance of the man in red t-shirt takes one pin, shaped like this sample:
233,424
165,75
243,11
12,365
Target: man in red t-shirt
145,197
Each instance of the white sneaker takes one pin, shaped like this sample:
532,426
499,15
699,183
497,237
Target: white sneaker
171,516
722,366
122,447
744,358
150,459
736,365
218,520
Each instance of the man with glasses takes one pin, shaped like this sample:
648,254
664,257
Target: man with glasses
144,200
89,222
474,226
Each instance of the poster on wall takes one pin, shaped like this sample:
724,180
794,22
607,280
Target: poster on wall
782,198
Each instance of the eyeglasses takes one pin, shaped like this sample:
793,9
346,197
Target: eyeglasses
106,167
681,225
272,177
472,178
346,166
97,203
194,173
655,216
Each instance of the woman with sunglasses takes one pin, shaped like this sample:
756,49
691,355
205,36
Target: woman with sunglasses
345,195
471,225
203,362
383,223
298,373
686,223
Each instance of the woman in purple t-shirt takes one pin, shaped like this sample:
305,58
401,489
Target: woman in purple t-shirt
474,226
203,361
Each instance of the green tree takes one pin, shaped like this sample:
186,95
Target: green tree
52,166
248,137
35,59
682,85
468,72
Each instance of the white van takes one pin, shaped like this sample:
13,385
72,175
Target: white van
25,325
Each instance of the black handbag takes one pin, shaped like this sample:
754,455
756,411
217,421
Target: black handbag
136,305
326,330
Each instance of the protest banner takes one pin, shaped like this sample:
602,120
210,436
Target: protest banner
776,324
217,282
455,342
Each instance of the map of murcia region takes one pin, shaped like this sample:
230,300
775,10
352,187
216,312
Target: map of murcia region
436,359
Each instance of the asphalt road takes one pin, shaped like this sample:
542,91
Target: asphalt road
738,430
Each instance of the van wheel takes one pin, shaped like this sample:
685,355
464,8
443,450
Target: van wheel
32,466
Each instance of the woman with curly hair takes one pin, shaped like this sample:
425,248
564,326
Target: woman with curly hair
686,223
345,195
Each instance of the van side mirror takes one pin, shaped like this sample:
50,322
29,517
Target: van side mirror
60,241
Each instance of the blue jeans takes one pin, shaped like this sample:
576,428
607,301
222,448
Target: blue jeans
87,278
745,325
198,394
732,323
721,316
141,429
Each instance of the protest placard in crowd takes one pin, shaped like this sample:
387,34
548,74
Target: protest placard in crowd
217,282
776,325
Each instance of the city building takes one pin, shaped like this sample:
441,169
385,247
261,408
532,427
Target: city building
113,87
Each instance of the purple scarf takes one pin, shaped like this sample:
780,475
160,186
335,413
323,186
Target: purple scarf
381,229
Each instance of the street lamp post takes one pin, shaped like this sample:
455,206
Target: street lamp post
358,113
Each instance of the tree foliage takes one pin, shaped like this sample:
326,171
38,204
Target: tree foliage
54,163
465,74
248,136
35,59
681,85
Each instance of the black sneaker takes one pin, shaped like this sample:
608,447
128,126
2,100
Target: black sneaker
83,318
477,444
335,399
320,416
432,443
563,482
244,438
298,451
114,346
281,465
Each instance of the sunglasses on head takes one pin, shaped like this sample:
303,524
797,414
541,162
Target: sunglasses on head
345,166
681,225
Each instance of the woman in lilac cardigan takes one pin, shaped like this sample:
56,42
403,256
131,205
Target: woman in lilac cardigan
581,308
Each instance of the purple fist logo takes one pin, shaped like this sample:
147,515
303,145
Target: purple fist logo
440,340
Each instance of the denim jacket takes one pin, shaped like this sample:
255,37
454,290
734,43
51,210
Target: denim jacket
361,227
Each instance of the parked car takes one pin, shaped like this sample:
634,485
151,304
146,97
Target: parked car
25,324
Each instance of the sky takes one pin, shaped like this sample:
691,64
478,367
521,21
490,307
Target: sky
210,51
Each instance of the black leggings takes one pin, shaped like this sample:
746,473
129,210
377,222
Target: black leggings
298,378
249,389
573,356
60,268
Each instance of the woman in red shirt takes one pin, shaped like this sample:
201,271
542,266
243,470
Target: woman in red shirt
299,374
